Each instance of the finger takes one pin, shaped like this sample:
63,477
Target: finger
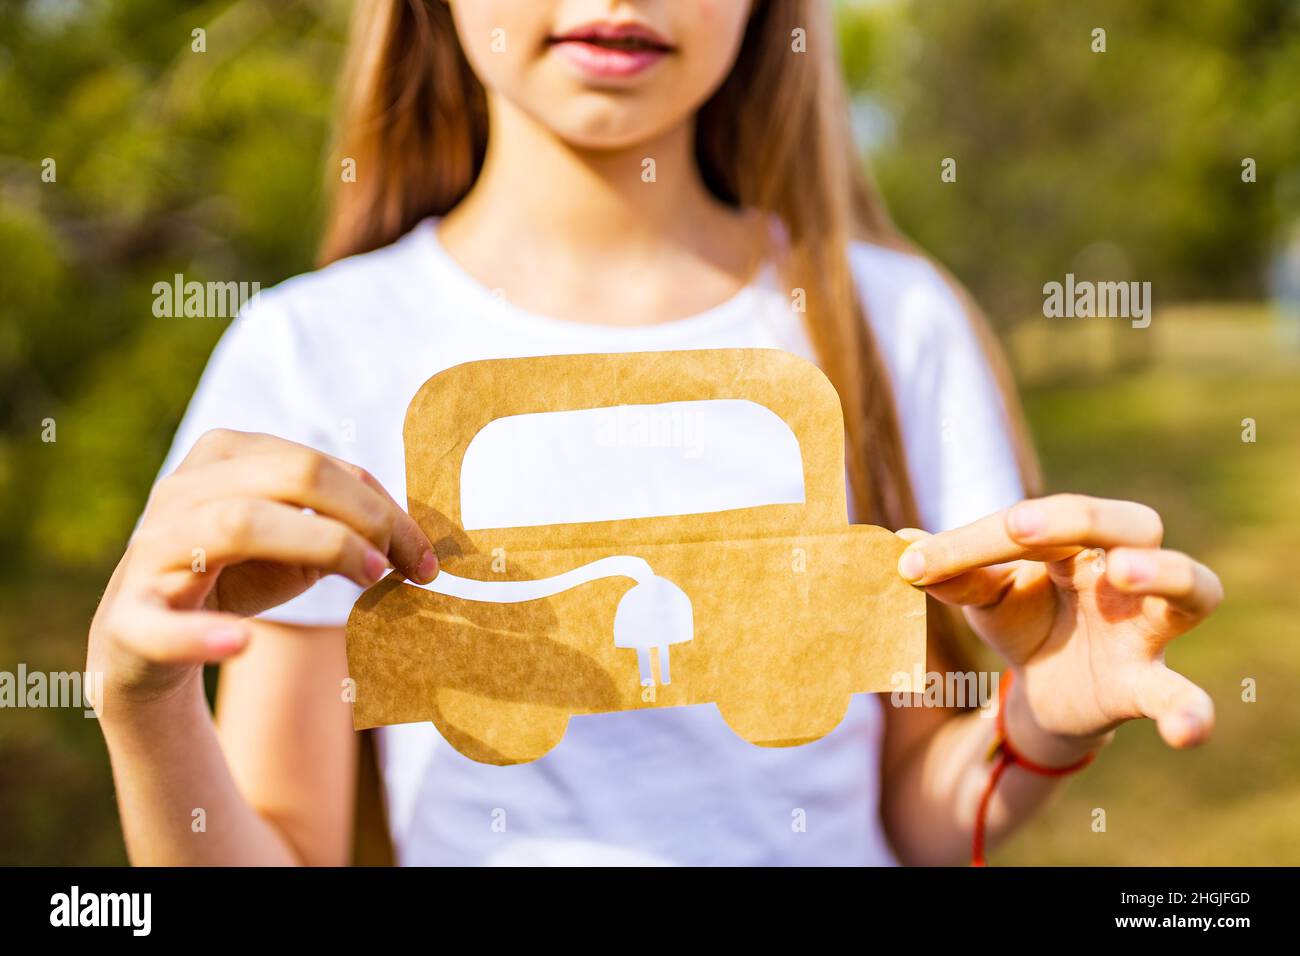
220,444
1190,588
1045,529
161,635
941,557
396,533
1070,520
1183,712
980,588
297,475
215,445
425,568
983,587
233,530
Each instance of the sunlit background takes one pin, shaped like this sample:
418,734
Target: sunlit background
1125,165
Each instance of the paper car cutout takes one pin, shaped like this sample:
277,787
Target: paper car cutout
776,613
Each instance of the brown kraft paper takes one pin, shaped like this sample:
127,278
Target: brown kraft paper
776,614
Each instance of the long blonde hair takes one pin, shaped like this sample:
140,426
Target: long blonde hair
773,138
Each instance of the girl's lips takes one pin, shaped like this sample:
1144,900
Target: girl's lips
610,50
601,61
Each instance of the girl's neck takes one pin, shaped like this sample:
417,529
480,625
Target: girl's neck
562,229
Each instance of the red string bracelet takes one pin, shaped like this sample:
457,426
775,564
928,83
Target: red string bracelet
1006,756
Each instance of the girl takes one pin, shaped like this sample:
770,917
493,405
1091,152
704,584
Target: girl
595,176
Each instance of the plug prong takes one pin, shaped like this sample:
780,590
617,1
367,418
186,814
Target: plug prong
643,662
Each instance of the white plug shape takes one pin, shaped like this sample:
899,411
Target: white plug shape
653,613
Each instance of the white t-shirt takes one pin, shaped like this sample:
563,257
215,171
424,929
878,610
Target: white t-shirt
331,359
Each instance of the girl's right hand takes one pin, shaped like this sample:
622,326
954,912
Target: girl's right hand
226,536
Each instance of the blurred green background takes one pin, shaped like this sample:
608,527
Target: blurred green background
1125,164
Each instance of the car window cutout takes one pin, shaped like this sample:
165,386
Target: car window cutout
629,461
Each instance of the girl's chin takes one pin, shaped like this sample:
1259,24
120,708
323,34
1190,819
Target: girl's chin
591,121
601,141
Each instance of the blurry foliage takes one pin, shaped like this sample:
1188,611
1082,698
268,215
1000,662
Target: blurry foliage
211,164
168,161
1059,148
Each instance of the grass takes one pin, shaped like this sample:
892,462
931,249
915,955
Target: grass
1168,431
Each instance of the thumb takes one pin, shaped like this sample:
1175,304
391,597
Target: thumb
161,635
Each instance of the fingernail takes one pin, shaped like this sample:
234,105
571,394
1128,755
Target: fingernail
912,564
1026,520
225,638
375,565
428,568
1136,568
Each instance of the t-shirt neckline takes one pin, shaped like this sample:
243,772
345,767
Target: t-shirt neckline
446,270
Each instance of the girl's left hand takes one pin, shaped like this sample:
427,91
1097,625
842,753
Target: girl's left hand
1078,595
